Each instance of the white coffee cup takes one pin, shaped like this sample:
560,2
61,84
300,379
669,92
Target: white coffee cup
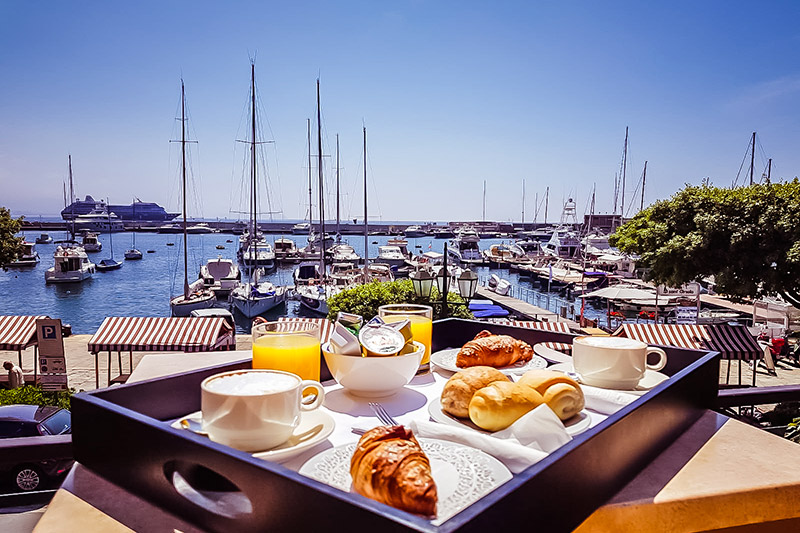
613,362
255,410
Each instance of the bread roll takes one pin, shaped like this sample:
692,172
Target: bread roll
500,404
460,388
561,393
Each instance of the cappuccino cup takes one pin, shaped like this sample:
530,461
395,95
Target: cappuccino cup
613,362
255,410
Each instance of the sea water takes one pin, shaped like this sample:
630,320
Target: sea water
144,287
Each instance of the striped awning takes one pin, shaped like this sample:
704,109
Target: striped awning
558,327
18,332
733,342
153,334
325,325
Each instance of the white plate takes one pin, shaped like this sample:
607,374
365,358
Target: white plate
650,380
315,426
463,475
446,359
574,426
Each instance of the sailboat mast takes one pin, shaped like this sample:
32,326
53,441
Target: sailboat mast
546,201
366,224
321,197
310,213
110,237
644,179
183,180
484,202
253,181
71,196
523,201
338,232
624,165
591,209
769,171
752,157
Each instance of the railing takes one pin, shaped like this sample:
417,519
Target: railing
560,306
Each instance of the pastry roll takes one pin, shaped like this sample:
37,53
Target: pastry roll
561,393
500,404
460,388
389,466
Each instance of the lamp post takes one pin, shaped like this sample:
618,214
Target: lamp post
423,281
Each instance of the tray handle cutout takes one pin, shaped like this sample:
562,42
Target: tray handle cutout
207,489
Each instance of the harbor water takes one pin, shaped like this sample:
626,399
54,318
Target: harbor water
143,288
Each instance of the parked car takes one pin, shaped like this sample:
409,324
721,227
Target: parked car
33,421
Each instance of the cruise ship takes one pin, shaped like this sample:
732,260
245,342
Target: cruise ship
138,210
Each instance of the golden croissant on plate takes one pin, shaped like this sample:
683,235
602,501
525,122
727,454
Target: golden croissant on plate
493,350
389,466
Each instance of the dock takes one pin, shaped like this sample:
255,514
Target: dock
524,309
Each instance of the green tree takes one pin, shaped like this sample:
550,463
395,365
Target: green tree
748,238
10,244
365,300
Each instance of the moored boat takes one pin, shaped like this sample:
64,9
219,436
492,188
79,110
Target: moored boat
28,258
71,265
91,243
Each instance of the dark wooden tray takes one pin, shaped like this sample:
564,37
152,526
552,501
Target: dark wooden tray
120,434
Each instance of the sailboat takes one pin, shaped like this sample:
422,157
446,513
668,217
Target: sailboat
133,253
257,296
111,263
194,296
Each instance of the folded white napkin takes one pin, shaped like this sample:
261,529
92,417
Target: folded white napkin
605,401
529,440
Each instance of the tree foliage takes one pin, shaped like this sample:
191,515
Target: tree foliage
365,300
10,244
748,238
31,395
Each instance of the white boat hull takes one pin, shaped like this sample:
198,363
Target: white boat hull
255,306
51,276
182,307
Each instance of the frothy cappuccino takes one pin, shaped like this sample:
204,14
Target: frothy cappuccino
620,343
252,383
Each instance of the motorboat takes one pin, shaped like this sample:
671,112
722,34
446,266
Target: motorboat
220,275
443,233
564,242
286,251
463,248
71,265
501,255
108,264
133,254
28,258
91,243
305,273
257,296
315,296
345,274
380,272
100,220
170,228
342,253
531,247
392,255
44,238
200,229
415,231
303,228
259,254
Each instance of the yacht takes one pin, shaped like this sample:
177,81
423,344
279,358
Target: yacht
257,296
286,251
415,231
259,254
91,243
463,248
564,242
220,275
303,228
28,258
391,255
199,229
71,265
531,247
379,272
501,255
343,253
345,274
98,220
306,272
443,233
315,296
44,238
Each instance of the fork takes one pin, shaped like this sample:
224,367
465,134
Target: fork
382,414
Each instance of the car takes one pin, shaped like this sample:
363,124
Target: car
34,421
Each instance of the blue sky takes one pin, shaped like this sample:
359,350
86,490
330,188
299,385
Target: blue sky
451,93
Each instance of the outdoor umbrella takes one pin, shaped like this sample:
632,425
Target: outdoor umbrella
619,292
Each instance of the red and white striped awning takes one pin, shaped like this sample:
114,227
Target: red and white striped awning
559,327
17,332
325,326
731,341
152,334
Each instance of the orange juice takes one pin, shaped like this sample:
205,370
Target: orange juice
298,354
421,330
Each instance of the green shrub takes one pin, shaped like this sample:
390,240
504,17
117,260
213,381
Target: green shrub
365,300
31,395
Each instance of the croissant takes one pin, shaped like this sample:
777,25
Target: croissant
389,466
493,350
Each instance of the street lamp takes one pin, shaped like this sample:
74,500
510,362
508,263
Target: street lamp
422,281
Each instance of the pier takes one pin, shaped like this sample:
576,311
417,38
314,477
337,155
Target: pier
524,309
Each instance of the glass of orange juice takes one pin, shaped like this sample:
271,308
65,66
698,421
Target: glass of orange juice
288,346
421,317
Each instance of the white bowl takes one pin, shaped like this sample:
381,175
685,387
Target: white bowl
373,376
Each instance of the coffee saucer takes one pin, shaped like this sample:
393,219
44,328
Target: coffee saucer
314,427
649,381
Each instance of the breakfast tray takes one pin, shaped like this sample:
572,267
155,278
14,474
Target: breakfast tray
119,433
